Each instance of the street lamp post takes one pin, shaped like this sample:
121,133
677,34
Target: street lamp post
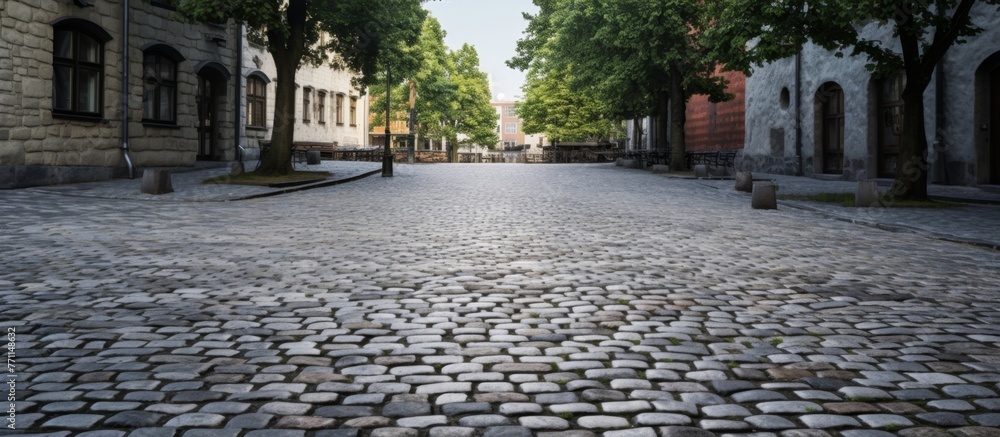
387,151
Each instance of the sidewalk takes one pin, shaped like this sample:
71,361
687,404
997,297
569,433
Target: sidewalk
975,221
188,186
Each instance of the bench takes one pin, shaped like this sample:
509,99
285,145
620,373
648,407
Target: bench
712,158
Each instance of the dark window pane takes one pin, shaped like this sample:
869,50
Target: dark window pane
166,112
87,89
62,88
62,46
88,49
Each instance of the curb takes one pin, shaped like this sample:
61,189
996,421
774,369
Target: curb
304,187
897,227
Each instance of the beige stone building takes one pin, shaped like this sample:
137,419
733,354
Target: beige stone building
63,67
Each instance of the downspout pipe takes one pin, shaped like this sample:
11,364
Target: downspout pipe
125,89
798,114
238,94
940,120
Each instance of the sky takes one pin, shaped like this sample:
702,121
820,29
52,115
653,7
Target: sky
493,27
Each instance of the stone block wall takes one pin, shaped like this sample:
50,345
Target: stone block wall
37,148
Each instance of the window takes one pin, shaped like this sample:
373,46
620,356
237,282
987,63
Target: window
354,111
321,101
510,111
78,68
340,109
510,128
306,105
159,90
256,102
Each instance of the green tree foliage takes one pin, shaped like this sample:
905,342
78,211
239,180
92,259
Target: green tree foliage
640,57
366,37
751,33
550,107
452,93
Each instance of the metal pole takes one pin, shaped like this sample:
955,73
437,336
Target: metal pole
387,151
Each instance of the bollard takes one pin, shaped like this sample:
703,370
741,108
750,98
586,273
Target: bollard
156,182
744,181
867,195
701,171
764,197
312,157
236,168
620,162
660,169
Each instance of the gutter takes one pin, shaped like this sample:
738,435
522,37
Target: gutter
798,113
238,86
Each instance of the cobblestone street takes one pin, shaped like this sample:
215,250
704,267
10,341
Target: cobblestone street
494,301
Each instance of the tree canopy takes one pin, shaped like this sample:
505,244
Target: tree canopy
452,93
636,56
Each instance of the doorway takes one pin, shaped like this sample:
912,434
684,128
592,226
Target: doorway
208,131
831,101
995,127
890,124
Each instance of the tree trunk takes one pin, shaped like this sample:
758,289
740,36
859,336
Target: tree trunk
287,50
637,131
662,121
279,158
911,169
678,108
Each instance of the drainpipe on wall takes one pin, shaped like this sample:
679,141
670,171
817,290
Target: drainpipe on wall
940,119
238,87
798,113
125,89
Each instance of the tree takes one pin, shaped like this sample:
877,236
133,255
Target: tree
641,56
366,37
551,108
453,96
752,33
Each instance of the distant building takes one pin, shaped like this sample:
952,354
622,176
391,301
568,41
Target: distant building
510,129
849,122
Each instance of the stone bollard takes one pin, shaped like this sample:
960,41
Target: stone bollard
764,197
236,168
701,171
620,162
744,181
867,195
312,157
660,169
156,182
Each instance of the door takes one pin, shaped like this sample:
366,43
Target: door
995,127
890,124
831,97
207,126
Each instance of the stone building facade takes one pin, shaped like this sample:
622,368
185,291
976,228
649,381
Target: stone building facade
62,107
329,111
823,116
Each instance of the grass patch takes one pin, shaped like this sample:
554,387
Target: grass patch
847,200
776,341
294,178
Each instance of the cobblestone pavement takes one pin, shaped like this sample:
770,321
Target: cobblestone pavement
494,301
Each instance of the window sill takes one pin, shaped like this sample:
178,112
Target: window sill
78,117
257,128
160,124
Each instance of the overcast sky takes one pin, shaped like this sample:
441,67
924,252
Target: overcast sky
493,27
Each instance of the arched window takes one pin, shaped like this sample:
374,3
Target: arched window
256,102
830,100
159,83
78,68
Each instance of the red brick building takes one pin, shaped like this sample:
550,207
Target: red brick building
718,126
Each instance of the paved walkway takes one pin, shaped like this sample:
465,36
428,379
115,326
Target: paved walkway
490,301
